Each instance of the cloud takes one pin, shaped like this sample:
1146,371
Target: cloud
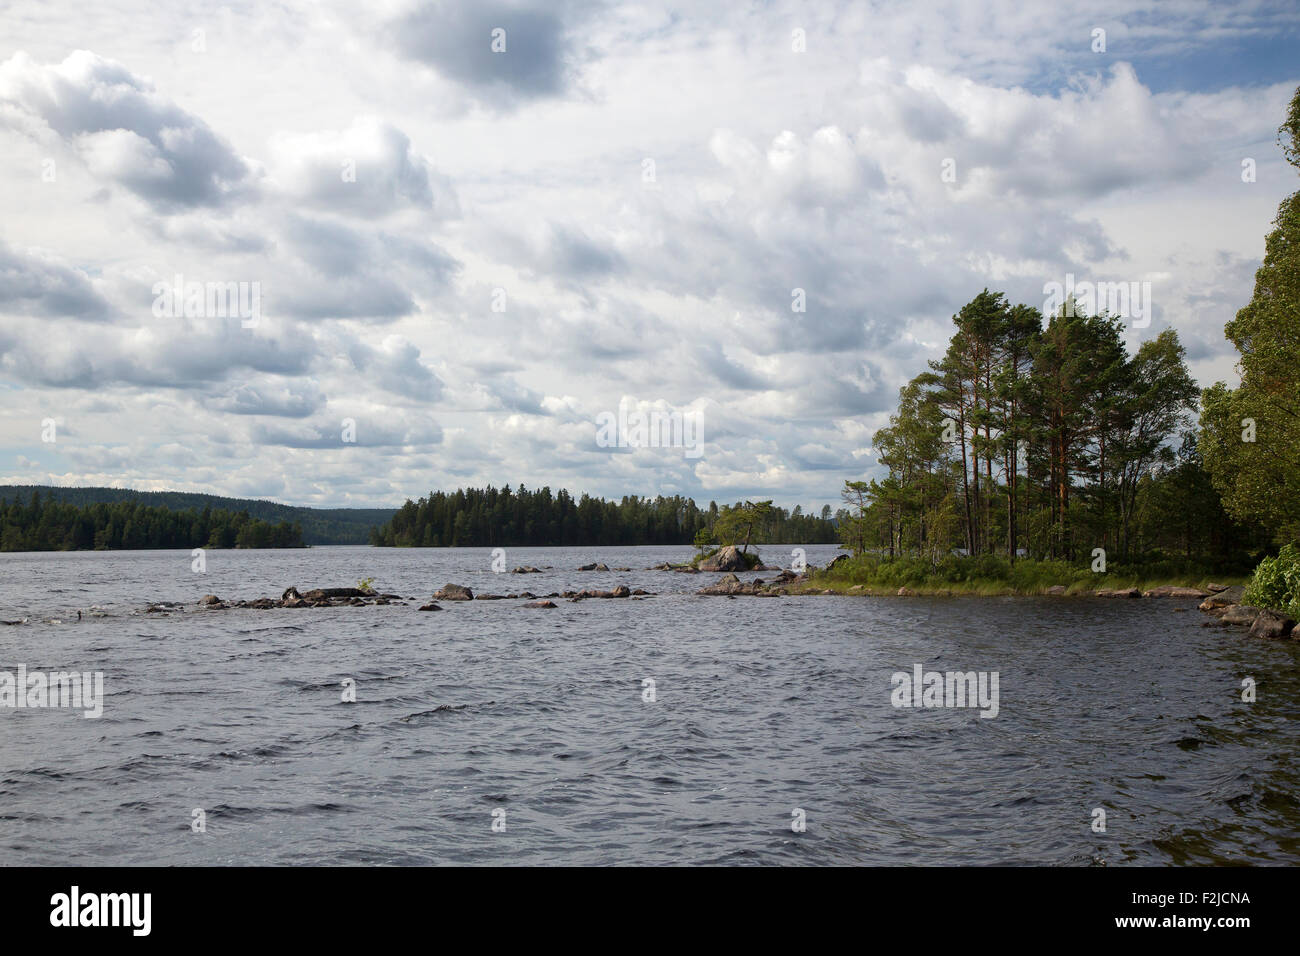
125,132
34,282
499,53
368,169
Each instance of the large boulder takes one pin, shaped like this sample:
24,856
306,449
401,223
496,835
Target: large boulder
725,559
1232,595
1272,624
454,592
1118,593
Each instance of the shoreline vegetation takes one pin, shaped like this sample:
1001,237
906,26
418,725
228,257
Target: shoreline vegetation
999,578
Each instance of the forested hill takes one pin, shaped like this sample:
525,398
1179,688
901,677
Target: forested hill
491,517
319,525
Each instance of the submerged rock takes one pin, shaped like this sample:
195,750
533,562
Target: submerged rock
430,607
541,604
1171,591
326,594
1118,593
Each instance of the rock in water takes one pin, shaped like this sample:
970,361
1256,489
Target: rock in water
1232,595
454,592
1272,624
726,559
1170,591
430,607
1242,614
729,584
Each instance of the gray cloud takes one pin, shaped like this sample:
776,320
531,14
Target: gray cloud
124,131
35,283
456,40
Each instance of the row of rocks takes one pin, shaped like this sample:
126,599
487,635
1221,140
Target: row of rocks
461,592
358,597
1228,610
316,597
731,586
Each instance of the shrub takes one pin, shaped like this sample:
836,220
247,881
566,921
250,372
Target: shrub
1276,582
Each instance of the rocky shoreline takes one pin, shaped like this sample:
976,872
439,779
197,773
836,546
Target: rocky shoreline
1223,602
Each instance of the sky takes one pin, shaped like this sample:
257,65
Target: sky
466,233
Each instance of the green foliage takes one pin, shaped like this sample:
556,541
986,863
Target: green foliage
491,517
741,523
1276,582
703,540
1251,435
46,525
366,584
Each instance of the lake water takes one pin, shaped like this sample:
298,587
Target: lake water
763,708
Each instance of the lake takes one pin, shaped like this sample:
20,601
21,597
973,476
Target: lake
490,733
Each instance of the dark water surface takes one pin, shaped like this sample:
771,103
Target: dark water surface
764,706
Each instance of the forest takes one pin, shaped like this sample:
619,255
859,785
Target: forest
48,525
1048,440
491,517
319,525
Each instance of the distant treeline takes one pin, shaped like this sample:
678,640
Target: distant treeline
491,517
44,525
319,525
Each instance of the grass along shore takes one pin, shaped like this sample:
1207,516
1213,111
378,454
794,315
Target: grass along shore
993,576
